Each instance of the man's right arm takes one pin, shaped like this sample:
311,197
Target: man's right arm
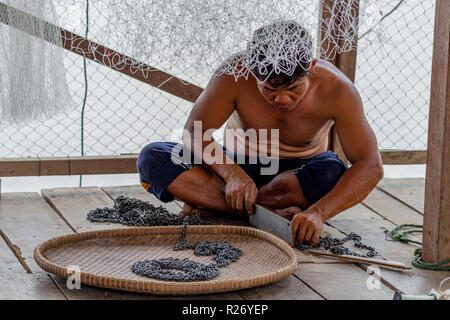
213,107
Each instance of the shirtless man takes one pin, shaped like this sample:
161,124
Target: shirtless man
311,185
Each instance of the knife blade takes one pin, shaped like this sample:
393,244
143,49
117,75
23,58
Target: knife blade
271,222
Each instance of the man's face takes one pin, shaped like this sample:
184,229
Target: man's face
285,98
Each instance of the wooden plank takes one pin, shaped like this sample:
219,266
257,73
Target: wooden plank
73,204
340,279
409,191
341,282
436,236
28,220
290,288
391,209
22,167
54,166
103,165
102,55
16,283
11,167
22,286
19,167
404,156
93,293
369,225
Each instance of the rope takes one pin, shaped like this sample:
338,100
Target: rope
85,88
403,236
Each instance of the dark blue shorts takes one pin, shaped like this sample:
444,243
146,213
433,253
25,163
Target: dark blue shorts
316,175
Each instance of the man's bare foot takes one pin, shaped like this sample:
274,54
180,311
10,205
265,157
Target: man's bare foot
289,212
190,210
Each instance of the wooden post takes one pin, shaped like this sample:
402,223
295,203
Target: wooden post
436,237
346,62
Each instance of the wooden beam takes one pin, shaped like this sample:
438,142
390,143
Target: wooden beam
404,156
436,238
23,167
102,55
61,166
346,62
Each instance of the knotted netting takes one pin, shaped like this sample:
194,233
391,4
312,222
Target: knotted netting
202,37
193,35
190,40
32,74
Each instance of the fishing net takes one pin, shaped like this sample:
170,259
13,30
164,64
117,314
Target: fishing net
187,39
32,74
238,37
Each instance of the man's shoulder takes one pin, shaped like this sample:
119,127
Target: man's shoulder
233,65
332,81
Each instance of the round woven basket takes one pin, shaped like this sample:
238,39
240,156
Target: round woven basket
104,258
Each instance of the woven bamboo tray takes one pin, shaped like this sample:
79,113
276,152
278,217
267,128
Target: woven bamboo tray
105,258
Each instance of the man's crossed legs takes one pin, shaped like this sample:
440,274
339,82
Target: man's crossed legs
298,183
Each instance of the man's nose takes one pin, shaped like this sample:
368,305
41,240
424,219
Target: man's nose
282,99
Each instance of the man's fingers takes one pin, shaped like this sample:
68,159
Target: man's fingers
230,198
316,235
250,199
239,201
294,226
309,234
302,232
315,238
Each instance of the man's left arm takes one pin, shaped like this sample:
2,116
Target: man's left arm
360,147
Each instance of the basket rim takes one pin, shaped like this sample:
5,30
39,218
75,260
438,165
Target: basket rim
168,287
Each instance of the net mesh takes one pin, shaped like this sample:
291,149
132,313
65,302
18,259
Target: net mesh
190,40
32,75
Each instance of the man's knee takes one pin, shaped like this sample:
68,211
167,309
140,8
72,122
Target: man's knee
147,156
282,191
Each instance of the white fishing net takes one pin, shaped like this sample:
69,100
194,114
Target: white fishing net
190,39
203,36
32,74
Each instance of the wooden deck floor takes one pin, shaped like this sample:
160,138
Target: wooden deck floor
30,218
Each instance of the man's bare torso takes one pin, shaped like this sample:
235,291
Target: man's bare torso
303,131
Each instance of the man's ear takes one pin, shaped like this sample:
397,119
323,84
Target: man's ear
313,66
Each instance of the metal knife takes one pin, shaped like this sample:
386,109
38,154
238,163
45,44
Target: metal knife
271,222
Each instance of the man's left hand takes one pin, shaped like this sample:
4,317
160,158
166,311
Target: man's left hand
307,226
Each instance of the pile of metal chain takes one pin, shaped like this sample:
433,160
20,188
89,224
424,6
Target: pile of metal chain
135,212
161,269
224,252
335,245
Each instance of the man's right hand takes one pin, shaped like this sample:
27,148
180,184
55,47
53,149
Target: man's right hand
240,192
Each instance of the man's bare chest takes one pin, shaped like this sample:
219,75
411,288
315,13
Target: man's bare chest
299,127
